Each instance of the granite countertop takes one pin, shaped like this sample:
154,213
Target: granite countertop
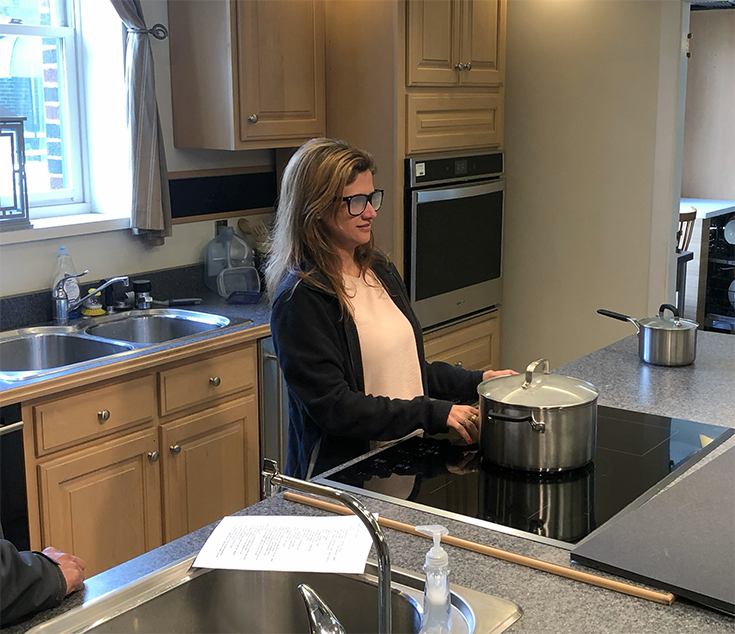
549,603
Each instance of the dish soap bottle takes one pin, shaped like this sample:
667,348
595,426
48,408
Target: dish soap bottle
65,266
437,601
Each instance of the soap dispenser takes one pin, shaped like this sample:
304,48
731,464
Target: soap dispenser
437,617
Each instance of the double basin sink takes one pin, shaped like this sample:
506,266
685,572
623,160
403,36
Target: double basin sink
185,600
30,352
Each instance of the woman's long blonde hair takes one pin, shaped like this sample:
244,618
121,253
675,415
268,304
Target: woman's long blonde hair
311,193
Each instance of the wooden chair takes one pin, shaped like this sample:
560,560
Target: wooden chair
686,228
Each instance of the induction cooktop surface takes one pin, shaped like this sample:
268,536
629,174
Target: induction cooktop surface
636,456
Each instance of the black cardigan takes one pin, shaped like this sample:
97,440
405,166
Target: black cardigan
29,582
319,352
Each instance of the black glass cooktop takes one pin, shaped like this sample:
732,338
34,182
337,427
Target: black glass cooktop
637,455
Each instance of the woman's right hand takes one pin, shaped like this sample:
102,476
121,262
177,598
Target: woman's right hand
466,420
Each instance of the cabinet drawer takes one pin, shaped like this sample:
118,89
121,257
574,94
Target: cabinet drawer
207,379
88,415
453,121
474,345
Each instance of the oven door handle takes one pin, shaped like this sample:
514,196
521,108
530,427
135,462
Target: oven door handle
9,429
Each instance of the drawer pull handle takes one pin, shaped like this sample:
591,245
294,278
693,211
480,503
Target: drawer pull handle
253,118
153,456
458,364
175,449
103,416
215,381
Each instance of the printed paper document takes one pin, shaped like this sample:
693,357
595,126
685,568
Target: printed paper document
286,543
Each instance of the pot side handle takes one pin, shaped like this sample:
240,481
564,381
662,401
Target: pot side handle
536,426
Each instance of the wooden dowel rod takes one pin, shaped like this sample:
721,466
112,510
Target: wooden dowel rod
570,573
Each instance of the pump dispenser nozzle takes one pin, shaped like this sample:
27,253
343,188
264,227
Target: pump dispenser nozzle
436,557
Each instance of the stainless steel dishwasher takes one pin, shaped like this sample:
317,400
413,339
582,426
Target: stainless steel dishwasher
273,405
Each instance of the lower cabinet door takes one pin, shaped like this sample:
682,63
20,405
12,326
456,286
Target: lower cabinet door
211,465
103,503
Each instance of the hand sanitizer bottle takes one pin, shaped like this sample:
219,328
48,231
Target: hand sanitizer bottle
437,601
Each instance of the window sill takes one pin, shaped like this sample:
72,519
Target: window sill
63,227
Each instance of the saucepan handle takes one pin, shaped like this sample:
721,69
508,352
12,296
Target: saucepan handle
620,316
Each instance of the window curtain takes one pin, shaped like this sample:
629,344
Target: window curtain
151,205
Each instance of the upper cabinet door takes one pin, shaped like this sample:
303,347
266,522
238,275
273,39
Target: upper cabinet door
433,42
481,45
455,42
281,69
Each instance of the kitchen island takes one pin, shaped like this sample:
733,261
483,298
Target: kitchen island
702,392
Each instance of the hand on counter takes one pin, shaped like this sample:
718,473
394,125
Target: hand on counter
72,567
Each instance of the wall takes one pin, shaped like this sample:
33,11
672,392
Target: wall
590,158
709,130
28,267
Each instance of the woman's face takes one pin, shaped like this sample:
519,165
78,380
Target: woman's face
347,231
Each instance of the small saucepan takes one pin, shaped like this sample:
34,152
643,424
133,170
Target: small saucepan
663,340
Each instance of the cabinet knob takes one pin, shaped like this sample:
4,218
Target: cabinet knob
468,66
103,415
153,456
459,67
458,364
215,381
253,118
175,449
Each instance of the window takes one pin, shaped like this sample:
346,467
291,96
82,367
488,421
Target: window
52,52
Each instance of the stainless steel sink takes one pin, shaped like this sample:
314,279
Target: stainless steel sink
154,325
30,352
33,351
183,600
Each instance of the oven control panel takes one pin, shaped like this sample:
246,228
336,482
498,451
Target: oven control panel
436,170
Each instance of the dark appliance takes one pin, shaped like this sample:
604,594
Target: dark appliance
719,295
453,214
636,456
13,502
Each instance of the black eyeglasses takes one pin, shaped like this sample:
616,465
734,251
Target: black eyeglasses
356,204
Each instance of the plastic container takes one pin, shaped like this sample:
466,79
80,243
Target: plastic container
226,251
65,266
437,617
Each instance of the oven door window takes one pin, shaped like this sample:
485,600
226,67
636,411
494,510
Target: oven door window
456,237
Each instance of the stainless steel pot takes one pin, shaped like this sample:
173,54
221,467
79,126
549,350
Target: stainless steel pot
538,421
662,340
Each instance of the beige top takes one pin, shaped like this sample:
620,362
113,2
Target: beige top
390,360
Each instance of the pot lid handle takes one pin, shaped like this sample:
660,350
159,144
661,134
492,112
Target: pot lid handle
532,368
673,309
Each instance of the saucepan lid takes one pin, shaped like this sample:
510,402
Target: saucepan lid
538,389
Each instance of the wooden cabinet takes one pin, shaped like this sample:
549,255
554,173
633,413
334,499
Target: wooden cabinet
204,467
116,469
474,344
455,42
103,503
247,74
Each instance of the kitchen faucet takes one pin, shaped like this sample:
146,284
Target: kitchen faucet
273,477
61,304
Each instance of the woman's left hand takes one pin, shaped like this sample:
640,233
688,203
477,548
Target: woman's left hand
465,419
491,374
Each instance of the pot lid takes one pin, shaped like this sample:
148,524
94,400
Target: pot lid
538,389
660,322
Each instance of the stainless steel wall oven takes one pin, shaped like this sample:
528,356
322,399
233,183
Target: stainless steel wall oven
453,248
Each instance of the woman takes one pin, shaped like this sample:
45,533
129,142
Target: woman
348,343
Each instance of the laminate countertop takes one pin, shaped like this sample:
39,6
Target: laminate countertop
702,392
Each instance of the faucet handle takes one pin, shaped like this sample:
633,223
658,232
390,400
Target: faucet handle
321,618
67,276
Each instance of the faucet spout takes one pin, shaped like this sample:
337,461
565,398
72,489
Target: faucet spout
121,278
272,477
